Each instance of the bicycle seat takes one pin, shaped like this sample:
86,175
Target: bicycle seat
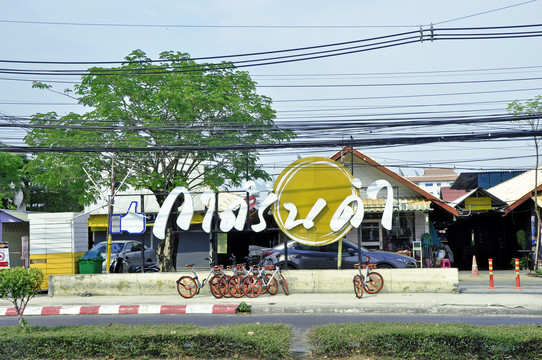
218,267
190,265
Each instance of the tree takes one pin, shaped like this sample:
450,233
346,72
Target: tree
533,108
20,184
170,102
64,191
10,178
19,285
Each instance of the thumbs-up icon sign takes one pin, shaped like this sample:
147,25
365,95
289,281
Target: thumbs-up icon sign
132,222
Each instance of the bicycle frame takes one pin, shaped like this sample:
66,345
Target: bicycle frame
369,280
212,272
276,275
188,286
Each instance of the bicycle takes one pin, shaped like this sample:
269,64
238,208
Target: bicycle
269,281
252,284
188,286
372,282
223,285
235,283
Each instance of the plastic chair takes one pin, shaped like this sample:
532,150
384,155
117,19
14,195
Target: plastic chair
445,263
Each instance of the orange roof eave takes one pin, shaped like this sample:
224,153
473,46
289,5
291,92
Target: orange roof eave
396,177
521,200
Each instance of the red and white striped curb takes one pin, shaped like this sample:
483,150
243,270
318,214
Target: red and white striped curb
121,309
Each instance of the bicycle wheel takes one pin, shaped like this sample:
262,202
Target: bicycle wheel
252,286
264,281
187,287
272,284
214,284
374,283
358,286
235,286
284,284
223,286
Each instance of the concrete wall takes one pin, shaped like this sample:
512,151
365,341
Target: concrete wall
299,281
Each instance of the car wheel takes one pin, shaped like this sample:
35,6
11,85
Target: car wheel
290,266
384,266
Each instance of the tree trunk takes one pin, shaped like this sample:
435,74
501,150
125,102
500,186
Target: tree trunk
167,248
167,251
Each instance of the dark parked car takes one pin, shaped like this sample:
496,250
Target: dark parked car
325,257
129,250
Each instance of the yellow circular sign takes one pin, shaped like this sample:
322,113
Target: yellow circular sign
309,192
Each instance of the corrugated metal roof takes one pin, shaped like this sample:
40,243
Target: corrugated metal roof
399,204
21,215
514,189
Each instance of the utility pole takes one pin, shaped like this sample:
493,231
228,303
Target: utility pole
109,213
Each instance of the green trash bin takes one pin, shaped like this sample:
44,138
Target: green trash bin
91,263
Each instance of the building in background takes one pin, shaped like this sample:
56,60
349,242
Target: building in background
433,180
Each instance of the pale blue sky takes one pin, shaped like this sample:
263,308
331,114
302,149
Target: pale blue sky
231,27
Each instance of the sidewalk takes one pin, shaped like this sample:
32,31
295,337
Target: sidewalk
475,298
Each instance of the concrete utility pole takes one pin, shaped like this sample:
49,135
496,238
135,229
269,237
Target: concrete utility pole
109,213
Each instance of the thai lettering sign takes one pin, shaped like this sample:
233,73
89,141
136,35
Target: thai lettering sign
315,201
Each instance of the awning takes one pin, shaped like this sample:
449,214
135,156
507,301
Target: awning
399,204
99,222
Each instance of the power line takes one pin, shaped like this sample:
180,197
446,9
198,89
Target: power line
484,12
193,26
301,144
406,96
392,40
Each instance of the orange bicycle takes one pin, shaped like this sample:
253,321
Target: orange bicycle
370,281
188,286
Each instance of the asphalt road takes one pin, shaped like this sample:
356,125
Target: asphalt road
297,321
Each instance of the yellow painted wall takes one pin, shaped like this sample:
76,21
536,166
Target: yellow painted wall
55,264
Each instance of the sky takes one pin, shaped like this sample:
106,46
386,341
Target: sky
419,80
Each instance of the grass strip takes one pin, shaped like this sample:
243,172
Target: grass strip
115,341
426,341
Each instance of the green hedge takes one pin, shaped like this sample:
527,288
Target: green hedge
262,341
427,341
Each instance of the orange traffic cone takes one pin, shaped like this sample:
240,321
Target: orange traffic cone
474,267
491,283
518,282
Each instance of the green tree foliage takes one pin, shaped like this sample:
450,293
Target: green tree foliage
148,104
20,175
19,285
533,108
53,187
11,177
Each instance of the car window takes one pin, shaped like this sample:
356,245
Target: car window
128,247
330,248
299,246
116,248
101,249
347,248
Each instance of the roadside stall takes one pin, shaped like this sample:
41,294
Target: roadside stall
56,242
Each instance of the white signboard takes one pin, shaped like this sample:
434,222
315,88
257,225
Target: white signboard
4,255
132,222
24,250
